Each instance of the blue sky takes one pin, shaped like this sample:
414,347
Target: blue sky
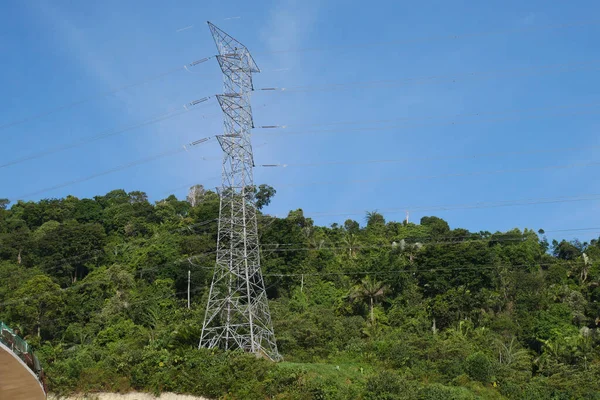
57,52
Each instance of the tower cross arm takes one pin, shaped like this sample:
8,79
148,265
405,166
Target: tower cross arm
229,48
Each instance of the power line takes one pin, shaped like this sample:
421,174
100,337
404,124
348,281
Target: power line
115,169
129,303
442,239
424,39
412,126
422,80
577,106
100,94
410,271
428,158
329,48
417,270
108,133
87,256
94,254
267,247
449,207
190,184
85,284
457,241
455,175
204,254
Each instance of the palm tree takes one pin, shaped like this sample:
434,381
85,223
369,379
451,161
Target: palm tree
374,218
509,353
369,290
584,270
352,242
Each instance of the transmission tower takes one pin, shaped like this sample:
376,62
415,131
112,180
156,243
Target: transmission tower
237,313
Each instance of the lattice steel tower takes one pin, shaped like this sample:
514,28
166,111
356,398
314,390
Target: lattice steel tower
237,313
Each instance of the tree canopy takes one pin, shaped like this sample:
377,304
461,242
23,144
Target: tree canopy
378,310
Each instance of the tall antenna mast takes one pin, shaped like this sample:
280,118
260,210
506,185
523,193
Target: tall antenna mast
237,312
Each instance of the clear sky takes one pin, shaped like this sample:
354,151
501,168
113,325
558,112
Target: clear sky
534,91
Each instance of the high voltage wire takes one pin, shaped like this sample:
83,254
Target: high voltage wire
425,39
427,117
174,113
389,273
381,246
455,175
405,127
187,108
106,134
435,240
188,185
416,270
195,143
449,207
143,270
422,80
129,303
204,254
115,169
497,237
101,94
429,158
345,273
94,254
410,271
329,48
267,247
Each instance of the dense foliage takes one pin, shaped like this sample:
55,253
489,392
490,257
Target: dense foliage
385,311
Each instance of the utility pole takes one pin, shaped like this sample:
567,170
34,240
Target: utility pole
237,312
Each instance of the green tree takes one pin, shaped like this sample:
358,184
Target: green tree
263,195
36,303
438,226
370,291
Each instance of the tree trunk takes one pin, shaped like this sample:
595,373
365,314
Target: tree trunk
371,311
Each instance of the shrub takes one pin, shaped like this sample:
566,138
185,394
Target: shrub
479,367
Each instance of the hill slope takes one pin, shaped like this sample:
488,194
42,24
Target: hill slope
388,310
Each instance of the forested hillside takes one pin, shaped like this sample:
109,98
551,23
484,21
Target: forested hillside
370,309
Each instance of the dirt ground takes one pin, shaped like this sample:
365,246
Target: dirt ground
130,396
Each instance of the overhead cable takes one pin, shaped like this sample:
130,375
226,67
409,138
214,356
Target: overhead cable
509,72
431,124
106,134
468,206
100,94
454,175
112,170
429,158
424,39
510,111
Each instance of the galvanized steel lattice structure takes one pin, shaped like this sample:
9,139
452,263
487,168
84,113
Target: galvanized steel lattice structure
237,312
